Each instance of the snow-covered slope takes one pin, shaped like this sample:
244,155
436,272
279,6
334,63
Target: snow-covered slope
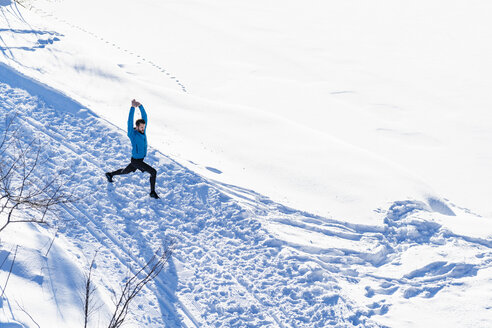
241,260
239,142
338,110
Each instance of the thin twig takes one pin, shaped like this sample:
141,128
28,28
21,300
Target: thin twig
52,241
10,271
134,285
89,304
23,310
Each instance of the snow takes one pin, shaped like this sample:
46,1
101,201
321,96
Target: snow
321,165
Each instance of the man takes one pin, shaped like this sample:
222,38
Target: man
139,148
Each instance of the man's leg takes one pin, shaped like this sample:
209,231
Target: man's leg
126,170
144,167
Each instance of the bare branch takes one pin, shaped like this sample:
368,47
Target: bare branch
27,313
7,132
136,283
23,186
10,271
90,289
52,241
6,257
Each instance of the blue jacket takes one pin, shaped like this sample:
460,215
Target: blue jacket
139,140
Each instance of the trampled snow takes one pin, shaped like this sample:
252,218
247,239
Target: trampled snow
318,165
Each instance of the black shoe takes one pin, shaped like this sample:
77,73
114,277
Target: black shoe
153,194
109,177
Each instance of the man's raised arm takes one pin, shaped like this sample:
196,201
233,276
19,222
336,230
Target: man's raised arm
130,121
143,114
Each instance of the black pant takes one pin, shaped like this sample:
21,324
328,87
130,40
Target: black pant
139,164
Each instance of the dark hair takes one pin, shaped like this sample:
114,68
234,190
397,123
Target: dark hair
140,121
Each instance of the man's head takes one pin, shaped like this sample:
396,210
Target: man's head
140,125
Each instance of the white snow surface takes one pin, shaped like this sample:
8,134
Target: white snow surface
321,164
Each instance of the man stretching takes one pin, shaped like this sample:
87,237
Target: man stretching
139,149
